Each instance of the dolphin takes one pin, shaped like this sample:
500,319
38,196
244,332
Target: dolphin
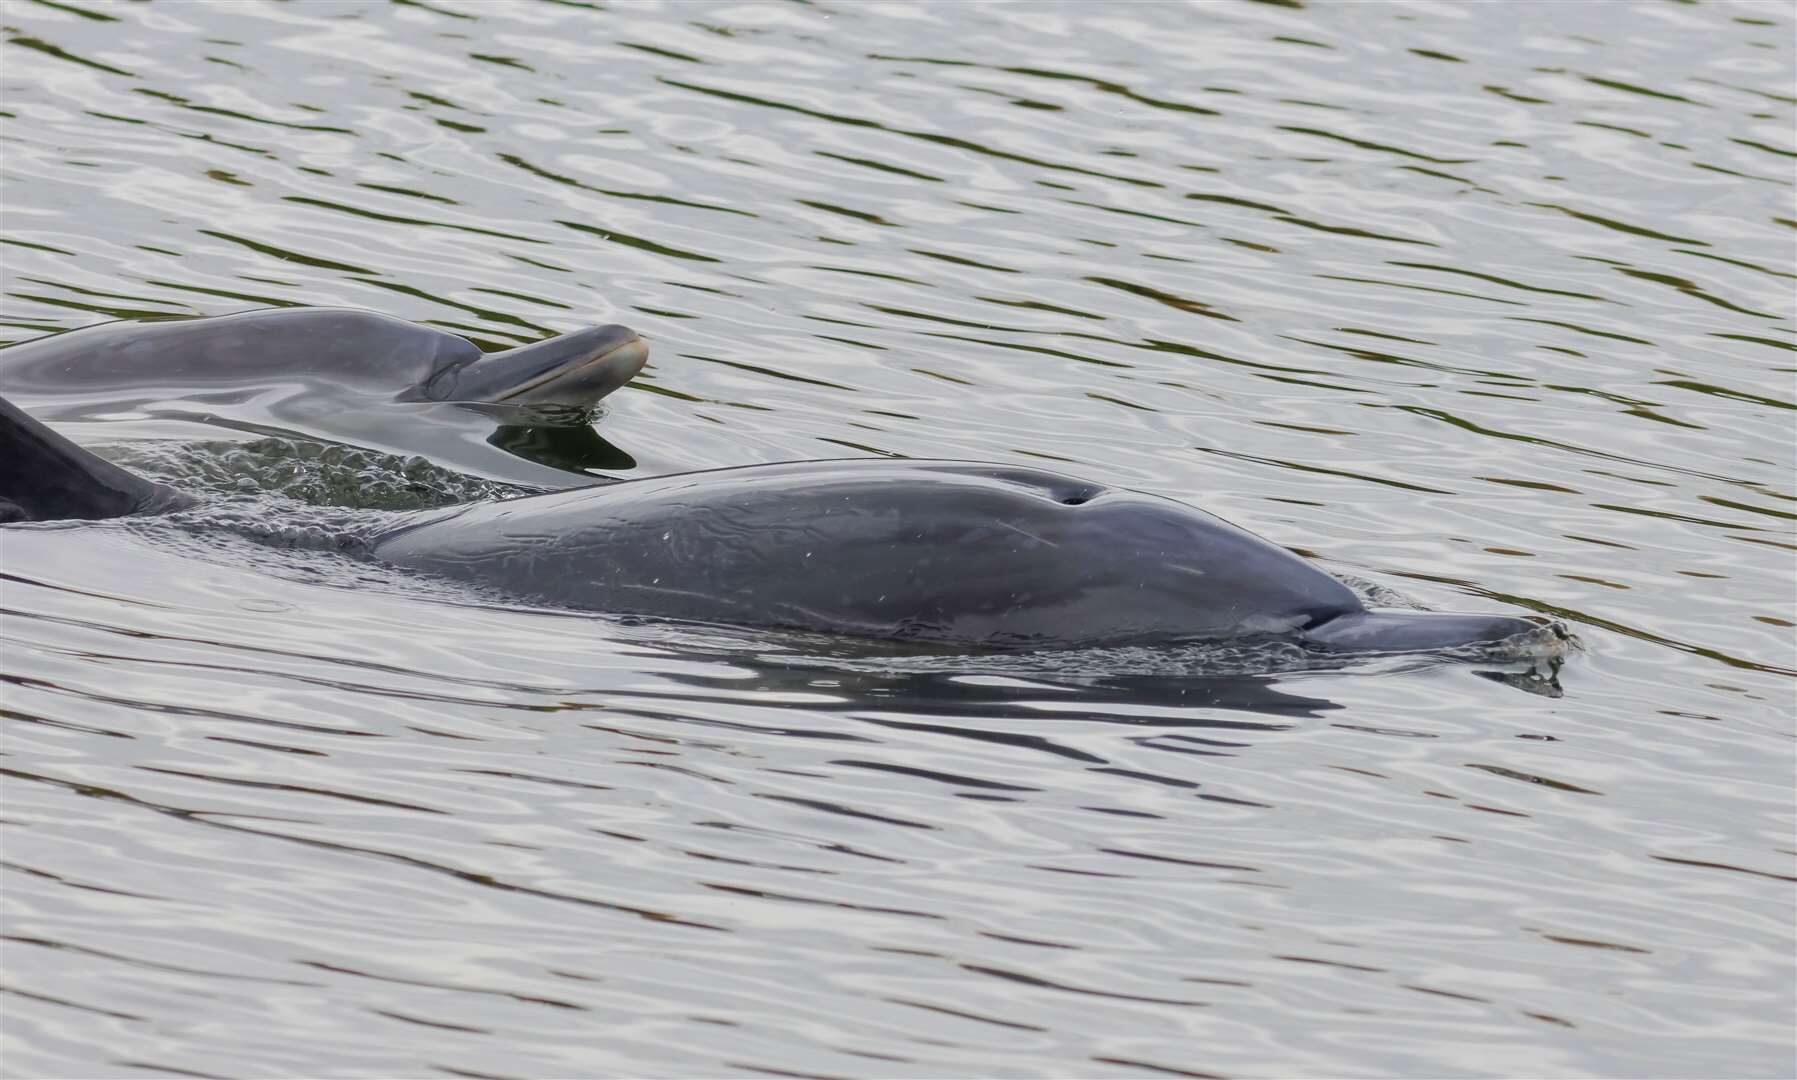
346,375
370,354
959,555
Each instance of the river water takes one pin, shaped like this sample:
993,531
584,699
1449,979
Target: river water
1483,306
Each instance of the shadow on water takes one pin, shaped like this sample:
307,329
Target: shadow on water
810,684
1154,686
575,448
816,699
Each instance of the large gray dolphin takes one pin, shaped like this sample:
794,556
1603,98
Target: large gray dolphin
950,554
351,376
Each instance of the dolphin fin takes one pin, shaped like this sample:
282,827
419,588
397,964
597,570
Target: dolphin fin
45,477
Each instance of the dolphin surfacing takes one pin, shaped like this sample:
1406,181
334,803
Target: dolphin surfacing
952,554
943,553
357,353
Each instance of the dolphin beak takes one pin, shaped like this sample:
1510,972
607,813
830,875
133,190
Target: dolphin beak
573,370
1379,630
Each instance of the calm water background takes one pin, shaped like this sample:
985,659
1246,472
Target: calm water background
1490,305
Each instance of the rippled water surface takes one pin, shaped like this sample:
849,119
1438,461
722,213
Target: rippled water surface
1483,306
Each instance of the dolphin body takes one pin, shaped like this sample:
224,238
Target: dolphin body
347,375
954,554
367,353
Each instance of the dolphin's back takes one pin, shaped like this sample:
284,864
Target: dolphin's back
358,350
952,553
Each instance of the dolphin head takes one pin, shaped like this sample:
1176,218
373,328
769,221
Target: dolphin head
571,370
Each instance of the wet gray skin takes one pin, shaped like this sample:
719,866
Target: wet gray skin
943,553
357,353
949,553
45,477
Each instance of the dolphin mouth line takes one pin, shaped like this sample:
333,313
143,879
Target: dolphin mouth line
633,354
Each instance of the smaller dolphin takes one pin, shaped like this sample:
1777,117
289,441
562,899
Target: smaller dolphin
953,554
344,376
357,353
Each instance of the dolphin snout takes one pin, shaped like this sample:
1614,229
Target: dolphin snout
571,370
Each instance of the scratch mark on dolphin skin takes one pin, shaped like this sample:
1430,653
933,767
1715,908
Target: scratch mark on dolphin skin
1020,529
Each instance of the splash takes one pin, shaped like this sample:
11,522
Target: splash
313,473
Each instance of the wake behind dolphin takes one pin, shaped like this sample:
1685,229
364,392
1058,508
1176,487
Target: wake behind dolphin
957,555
